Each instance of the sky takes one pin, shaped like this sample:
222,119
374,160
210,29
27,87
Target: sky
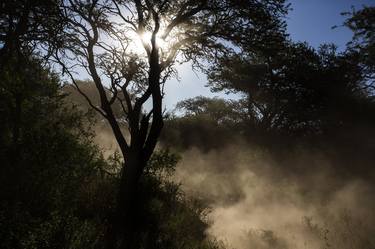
312,20
309,20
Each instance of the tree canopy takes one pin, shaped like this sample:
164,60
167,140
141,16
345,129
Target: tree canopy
62,59
129,48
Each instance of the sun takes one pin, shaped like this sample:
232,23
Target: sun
146,38
137,41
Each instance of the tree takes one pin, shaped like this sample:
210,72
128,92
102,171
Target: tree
295,90
362,23
25,26
46,158
130,47
57,191
210,123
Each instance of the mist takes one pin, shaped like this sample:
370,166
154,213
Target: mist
256,204
269,143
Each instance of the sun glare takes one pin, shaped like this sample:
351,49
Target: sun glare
146,38
137,41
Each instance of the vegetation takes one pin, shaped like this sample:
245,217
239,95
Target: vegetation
57,190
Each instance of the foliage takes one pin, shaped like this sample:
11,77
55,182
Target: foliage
209,122
297,90
171,219
293,97
46,156
147,39
27,25
57,191
361,22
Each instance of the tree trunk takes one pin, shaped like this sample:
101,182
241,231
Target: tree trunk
126,219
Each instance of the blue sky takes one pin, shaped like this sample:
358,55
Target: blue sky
310,20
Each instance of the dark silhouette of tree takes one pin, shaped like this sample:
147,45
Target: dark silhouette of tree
210,123
56,189
219,110
45,155
26,26
362,23
89,89
297,90
104,39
